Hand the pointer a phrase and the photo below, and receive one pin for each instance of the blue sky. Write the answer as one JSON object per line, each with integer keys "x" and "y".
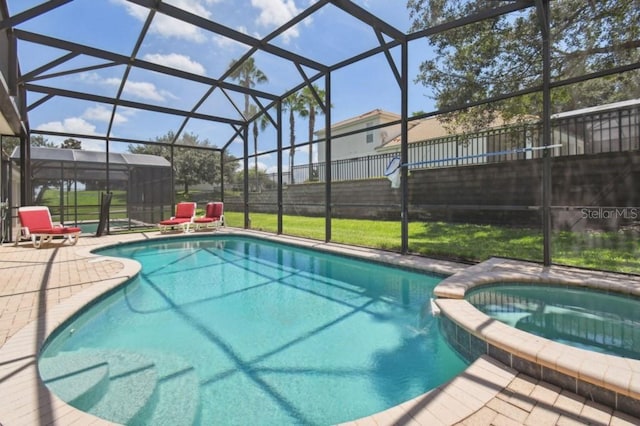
{"x": 329, "y": 36}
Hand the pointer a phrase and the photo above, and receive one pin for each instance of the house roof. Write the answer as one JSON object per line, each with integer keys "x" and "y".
{"x": 83, "y": 165}
{"x": 432, "y": 128}
{"x": 116, "y": 159}
{"x": 598, "y": 108}
{"x": 381, "y": 115}
{"x": 418, "y": 130}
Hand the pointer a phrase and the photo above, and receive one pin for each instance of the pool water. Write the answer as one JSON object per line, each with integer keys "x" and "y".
{"x": 92, "y": 227}
{"x": 234, "y": 330}
{"x": 580, "y": 317}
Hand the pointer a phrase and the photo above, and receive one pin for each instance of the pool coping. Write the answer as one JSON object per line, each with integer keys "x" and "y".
{"x": 580, "y": 371}
{"x": 31, "y": 402}
{"x": 20, "y": 384}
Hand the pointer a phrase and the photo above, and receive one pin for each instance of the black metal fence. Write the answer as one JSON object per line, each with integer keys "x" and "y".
{"x": 592, "y": 132}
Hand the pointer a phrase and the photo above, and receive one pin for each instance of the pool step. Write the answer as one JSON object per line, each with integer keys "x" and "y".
{"x": 131, "y": 388}
{"x": 112, "y": 384}
{"x": 177, "y": 391}
{"x": 132, "y": 383}
{"x": 80, "y": 379}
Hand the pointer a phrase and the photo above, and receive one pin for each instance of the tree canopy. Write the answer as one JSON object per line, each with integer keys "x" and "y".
{"x": 503, "y": 55}
{"x": 247, "y": 75}
{"x": 9, "y": 143}
{"x": 71, "y": 143}
{"x": 192, "y": 164}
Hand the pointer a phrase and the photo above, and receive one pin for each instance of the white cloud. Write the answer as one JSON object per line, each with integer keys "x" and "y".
{"x": 138, "y": 12}
{"x": 169, "y": 27}
{"x": 177, "y": 61}
{"x": 197, "y": 7}
{"x": 90, "y": 77}
{"x": 166, "y": 26}
{"x": 274, "y": 13}
{"x": 73, "y": 125}
{"x": 263, "y": 167}
{"x": 69, "y": 125}
{"x": 145, "y": 90}
{"x": 272, "y": 169}
{"x": 137, "y": 89}
{"x": 225, "y": 42}
{"x": 100, "y": 113}
{"x": 142, "y": 90}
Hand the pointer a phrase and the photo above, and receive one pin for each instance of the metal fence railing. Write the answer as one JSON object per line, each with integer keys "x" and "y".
{"x": 597, "y": 132}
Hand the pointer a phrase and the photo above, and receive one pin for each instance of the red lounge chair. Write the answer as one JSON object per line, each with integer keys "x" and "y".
{"x": 185, "y": 213}
{"x": 36, "y": 224}
{"x": 212, "y": 219}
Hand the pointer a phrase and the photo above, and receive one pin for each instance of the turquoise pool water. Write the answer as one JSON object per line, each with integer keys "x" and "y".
{"x": 231, "y": 330}
{"x": 92, "y": 227}
{"x": 581, "y": 317}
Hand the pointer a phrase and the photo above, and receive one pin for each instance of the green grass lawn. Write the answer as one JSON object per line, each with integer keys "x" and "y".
{"x": 88, "y": 203}
{"x": 611, "y": 251}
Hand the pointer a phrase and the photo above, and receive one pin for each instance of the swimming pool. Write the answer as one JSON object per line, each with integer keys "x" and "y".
{"x": 581, "y": 317}
{"x": 91, "y": 227}
{"x": 236, "y": 330}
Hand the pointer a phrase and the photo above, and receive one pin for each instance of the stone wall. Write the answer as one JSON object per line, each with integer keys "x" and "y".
{"x": 508, "y": 193}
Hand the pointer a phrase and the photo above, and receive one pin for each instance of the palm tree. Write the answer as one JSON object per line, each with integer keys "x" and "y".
{"x": 294, "y": 103}
{"x": 310, "y": 109}
{"x": 264, "y": 122}
{"x": 247, "y": 75}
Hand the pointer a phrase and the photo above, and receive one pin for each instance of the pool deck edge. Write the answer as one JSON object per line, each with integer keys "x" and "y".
{"x": 612, "y": 373}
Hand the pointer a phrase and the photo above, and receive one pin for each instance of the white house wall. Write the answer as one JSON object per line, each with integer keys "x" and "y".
{"x": 356, "y": 145}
